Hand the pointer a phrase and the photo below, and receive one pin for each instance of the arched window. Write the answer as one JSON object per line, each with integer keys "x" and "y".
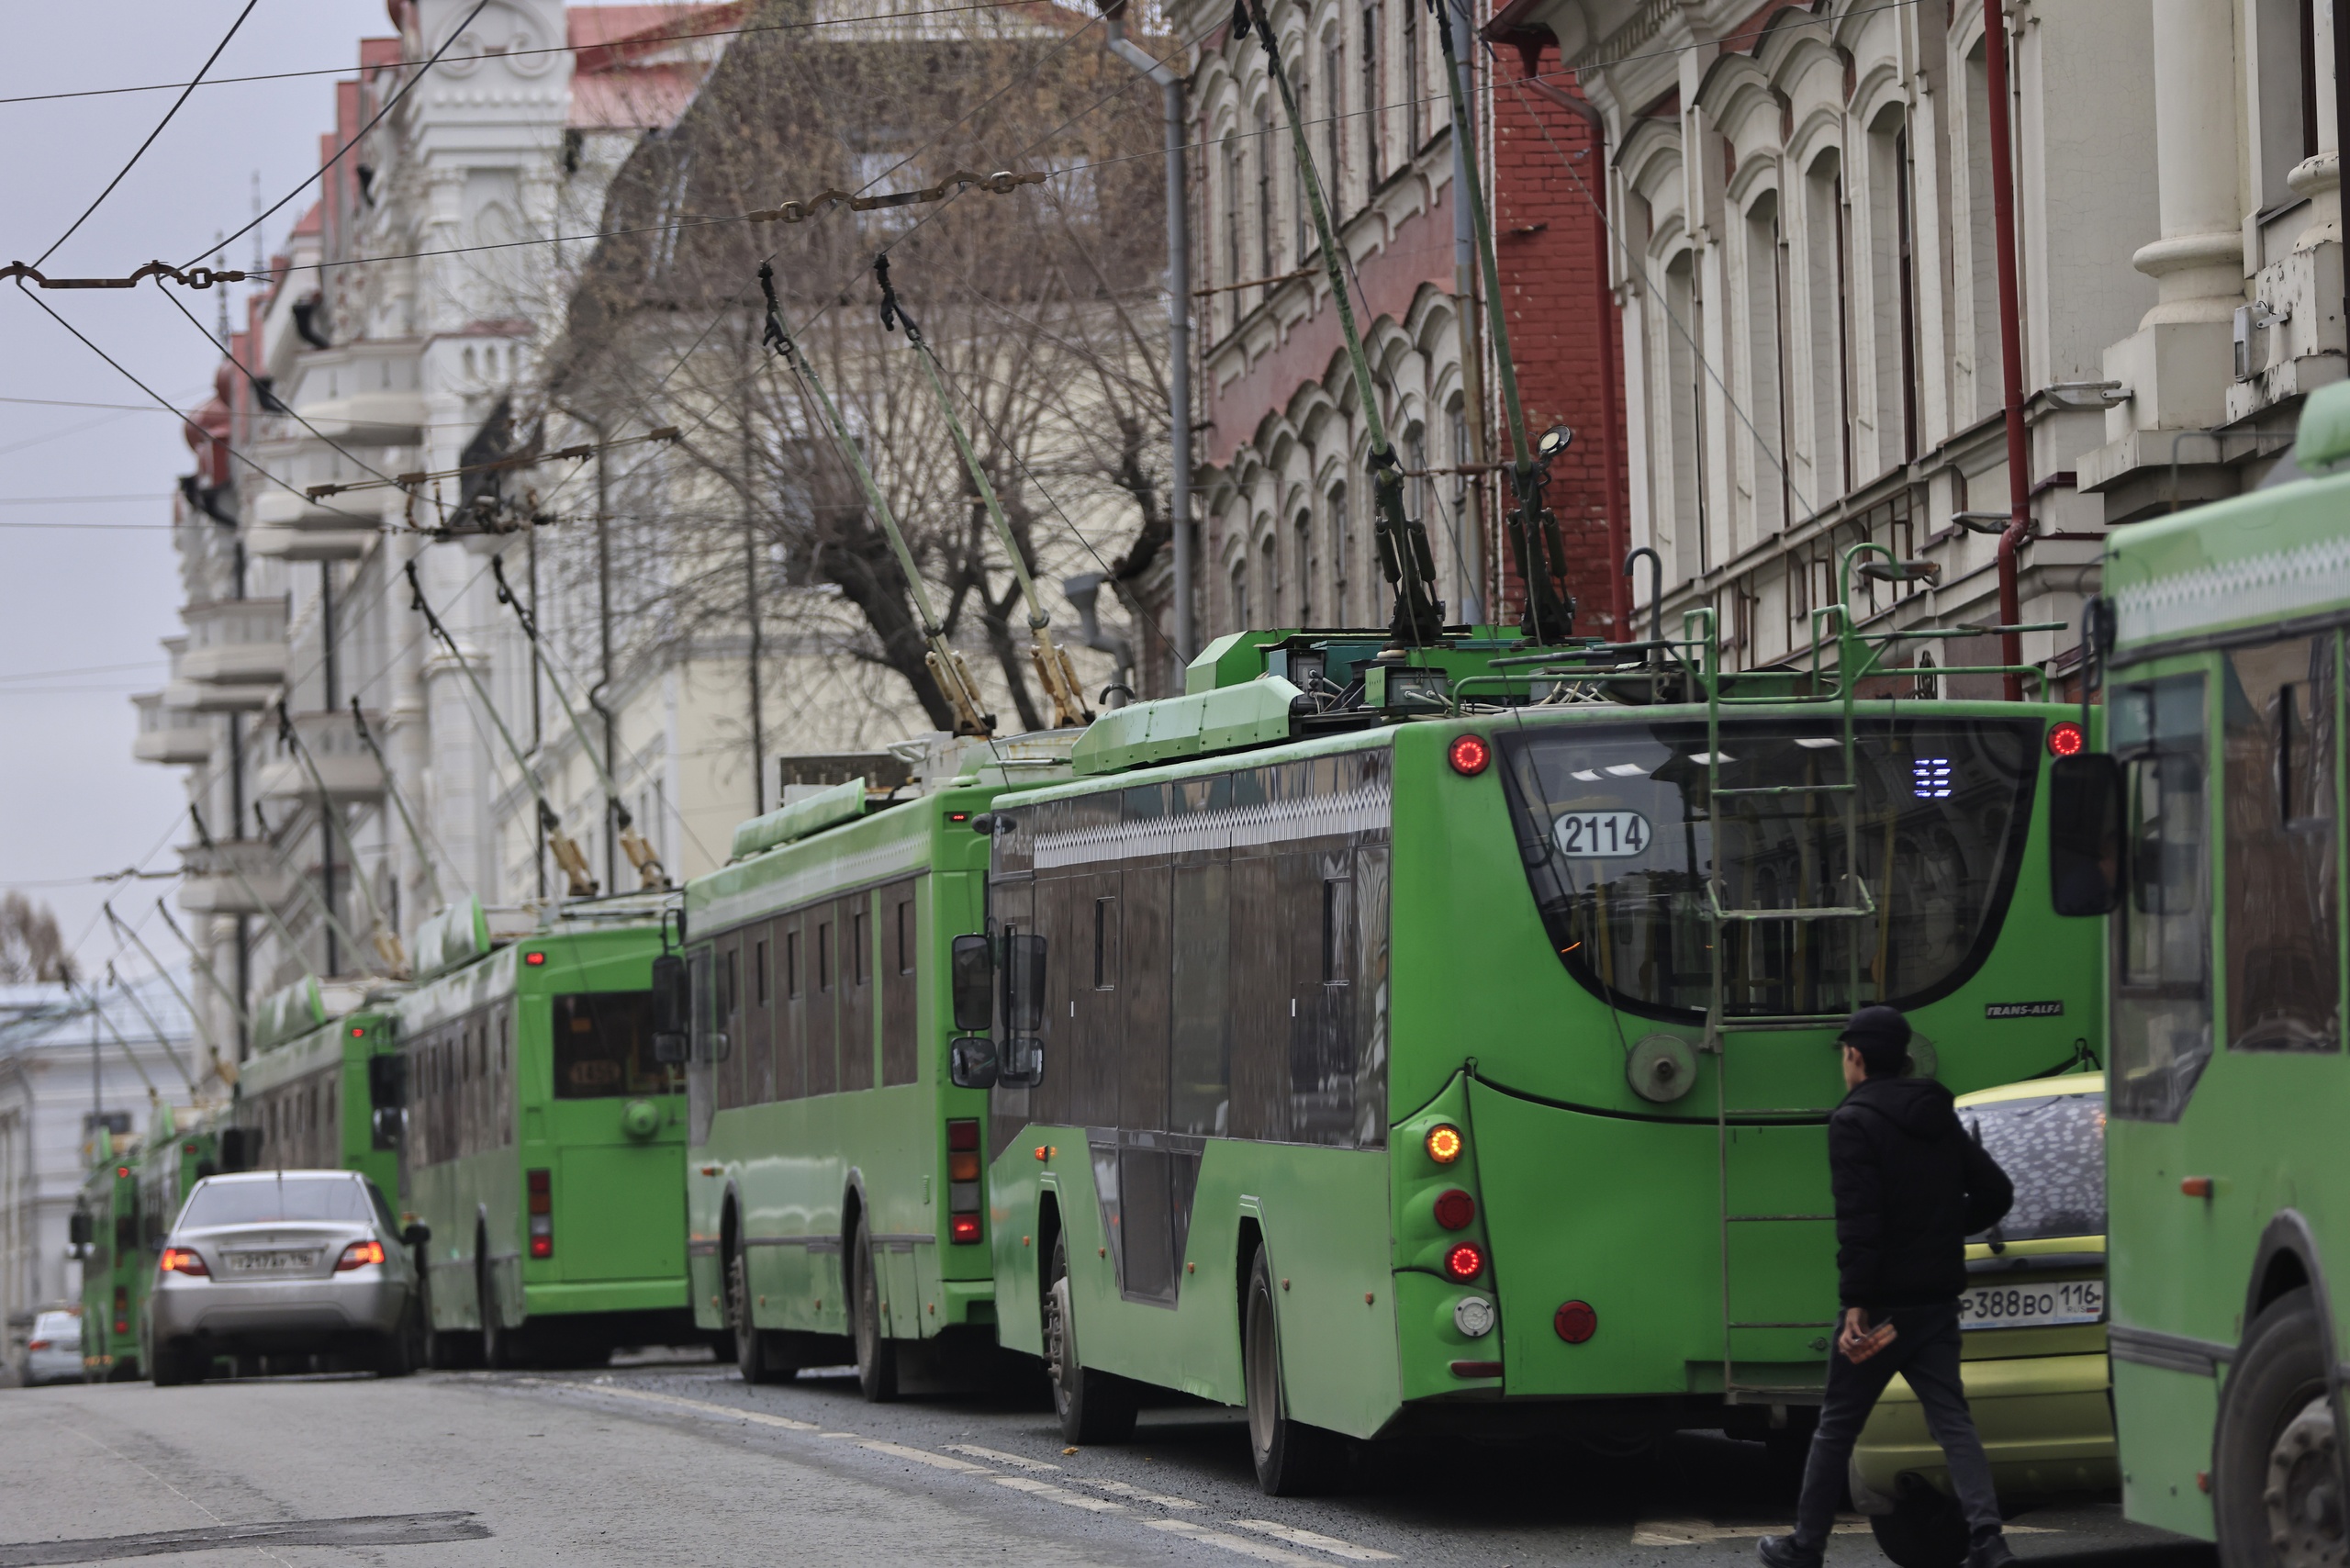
{"x": 1334, "y": 120}
{"x": 1825, "y": 294}
{"x": 1267, "y": 226}
{"x": 1766, "y": 366}
{"x": 1309, "y": 567}
{"x": 1341, "y": 554}
{"x": 1374, "y": 112}
{"x": 1415, "y": 109}
{"x": 1234, "y": 173}
{"x": 1240, "y": 592}
{"x": 1269, "y": 549}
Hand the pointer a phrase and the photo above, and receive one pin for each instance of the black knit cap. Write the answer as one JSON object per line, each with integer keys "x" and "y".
{"x": 1879, "y": 1033}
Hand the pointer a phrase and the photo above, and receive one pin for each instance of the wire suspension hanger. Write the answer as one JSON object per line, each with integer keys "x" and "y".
{"x": 1051, "y": 661}
{"x": 947, "y": 666}
{"x": 650, "y": 874}
{"x": 567, "y": 850}
{"x": 1404, "y": 557}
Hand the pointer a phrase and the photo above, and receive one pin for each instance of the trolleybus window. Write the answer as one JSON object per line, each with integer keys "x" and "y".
{"x": 2161, "y": 992}
{"x": 603, "y": 1045}
{"x": 1614, "y": 826}
{"x": 2053, "y": 1147}
{"x": 2284, "y": 975}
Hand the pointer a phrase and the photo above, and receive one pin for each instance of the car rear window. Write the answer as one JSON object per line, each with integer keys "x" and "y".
{"x": 2052, "y": 1149}
{"x": 330, "y": 1198}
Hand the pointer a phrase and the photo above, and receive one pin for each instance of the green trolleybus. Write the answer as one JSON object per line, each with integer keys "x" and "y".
{"x": 1446, "y": 1046}
{"x": 542, "y": 1142}
{"x": 2207, "y": 832}
{"x": 324, "y": 1053}
{"x": 105, "y": 1229}
{"x": 834, "y": 1169}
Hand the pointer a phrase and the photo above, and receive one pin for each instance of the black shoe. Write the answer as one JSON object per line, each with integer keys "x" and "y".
{"x": 1990, "y": 1551}
{"x": 1781, "y": 1551}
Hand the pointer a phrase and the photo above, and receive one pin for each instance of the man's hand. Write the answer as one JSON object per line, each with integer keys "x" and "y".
{"x": 1857, "y": 1340}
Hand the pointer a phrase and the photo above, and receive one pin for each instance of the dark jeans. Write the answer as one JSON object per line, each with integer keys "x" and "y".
{"x": 1925, "y": 1351}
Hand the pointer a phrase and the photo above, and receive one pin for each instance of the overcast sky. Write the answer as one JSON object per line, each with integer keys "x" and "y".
{"x": 90, "y": 584}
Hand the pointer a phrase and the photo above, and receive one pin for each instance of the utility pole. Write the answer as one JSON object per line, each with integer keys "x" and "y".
{"x": 1179, "y": 324}
{"x": 1464, "y": 316}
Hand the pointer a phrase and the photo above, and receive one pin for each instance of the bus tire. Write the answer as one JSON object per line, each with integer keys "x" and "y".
{"x": 443, "y": 1351}
{"x": 1926, "y": 1528}
{"x": 169, "y": 1368}
{"x": 1293, "y": 1459}
{"x": 498, "y": 1350}
{"x": 876, "y": 1356}
{"x": 1093, "y": 1406}
{"x": 2275, "y": 1456}
{"x": 760, "y": 1355}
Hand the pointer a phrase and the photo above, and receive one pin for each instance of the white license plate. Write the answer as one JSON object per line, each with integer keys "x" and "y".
{"x": 270, "y": 1262}
{"x": 2032, "y": 1304}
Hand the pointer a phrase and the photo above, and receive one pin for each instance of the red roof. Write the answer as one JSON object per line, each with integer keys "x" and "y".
{"x": 314, "y": 221}
{"x": 603, "y": 36}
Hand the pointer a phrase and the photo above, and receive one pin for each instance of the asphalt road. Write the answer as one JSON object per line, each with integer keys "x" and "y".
{"x": 680, "y": 1462}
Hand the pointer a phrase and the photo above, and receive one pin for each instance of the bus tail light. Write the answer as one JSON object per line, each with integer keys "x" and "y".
{"x": 1445, "y": 1143}
{"x": 1464, "y": 1262}
{"x": 359, "y": 1254}
{"x": 122, "y": 1309}
{"x": 1470, "y": 754}
{"x": 2066, "y": 739}
{"x": 1455, "y": 1209}
{"x": 180, "y": 1260}
{"x": 963, "y": 1179}
{"x": 541, "y": 1210}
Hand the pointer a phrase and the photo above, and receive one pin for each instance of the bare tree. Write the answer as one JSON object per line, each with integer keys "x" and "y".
{"x": 30, "y": 948}
{"x": 1033, "y": 299}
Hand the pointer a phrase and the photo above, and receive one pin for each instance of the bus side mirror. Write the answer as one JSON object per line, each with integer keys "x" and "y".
{"x": 672, "y": 1011}
{"x": 1022, "y": 1064}
{"x": 239, "y": 1148}
{"x": 672, "y": 1047}
{"x": 2084, "y": 834}
{"x": 387, "y": 1082}
{"x": 974, "y": 971}
{"x": 1024, "y": 982}
{"x": 971, "y": 1064}
{"x": 416, "y": 1234}
{"x": 386, "y": 1125}
{"x": 77, "y": 1229}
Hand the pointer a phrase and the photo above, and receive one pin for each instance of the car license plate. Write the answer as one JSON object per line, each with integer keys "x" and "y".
{"x": 272, "y": 1263}
{"x": 2032, "y": 1306}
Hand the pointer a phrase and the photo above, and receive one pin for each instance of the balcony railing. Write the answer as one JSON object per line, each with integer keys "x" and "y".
{"x": 168, "y": 735}
{"x": 234, "y": 642}
{"x": 346, "y": 768}
{"x": 210, "y": 884}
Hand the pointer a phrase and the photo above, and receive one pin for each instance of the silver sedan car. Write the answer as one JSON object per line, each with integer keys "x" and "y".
{"x": 285, "y": 1263}
{"x": 53, "y": 1353}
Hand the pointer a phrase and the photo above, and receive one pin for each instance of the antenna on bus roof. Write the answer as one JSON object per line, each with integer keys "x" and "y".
{"x": 567, "y": 850}
{"x": 946, "y": 666}
{"x": 399, "y": 802}
{"x": 386, "y": 941}
{"x": 1053, "y": 668}
{"x": 649, "y": 872}
{"x": 226, "y": 1072}
{"x": 1404, "y": 557}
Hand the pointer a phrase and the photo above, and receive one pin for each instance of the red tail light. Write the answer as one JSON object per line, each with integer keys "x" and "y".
{"x": 359, "y": 1254}
{"x": 1465, "y": 1261}
{"x": 1575, "y": 1322}
{"x": 1455, "y": 1209}
{"x": 121, "y": 1309}
{"x": 37, "y": 1344}
{"x": 180, "y": 1260}
{"x": 1470, "y": 754}
{"x": 963, "y": 1179}
{"x": 2066, "y": 739}
{"x": 541, "y": 1184}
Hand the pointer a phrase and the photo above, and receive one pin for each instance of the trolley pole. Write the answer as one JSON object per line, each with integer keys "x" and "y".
{"x": 1178, "y": 325}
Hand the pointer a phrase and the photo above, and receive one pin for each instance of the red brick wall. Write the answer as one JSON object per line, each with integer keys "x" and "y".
{"x": 1552, "y": 253}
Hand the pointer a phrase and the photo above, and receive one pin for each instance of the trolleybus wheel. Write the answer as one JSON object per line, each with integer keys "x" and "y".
{"x": 1925, "y": 1530}
{"x": 498, "y": 1341}
{"x": 1093, "y": 1406}
{"x": 877, "y": 1358}
{"x": 759, "y": 1353}
{"x": 1292, "y": 1458}
{"x": 2276, "y": 1494}
{"x": 443, "y": 1351}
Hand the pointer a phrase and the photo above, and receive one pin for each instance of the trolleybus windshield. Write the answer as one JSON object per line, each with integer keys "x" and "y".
{"x": 1614, "y": 826}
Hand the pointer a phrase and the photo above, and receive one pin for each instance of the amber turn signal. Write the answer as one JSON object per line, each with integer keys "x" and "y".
{"x": 1444, "y": 1143}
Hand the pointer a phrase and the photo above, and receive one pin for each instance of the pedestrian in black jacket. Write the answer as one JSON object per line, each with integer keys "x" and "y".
{"x": 1910, "y": 1187}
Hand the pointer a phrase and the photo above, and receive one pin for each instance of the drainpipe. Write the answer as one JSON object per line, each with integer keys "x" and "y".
{"x": 2003, "y": 230}
{"x": 1178, "y": 322}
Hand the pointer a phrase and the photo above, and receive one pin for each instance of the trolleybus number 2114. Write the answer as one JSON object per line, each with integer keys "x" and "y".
{"x": 1601, "y": 835}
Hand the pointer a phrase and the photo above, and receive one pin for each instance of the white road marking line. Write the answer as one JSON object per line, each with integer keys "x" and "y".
{"x": 759, "y": 1417}
{"x": 1237, "y": 1543}
{"x": 1051, "y": 1493}
{"x": 922, "y": 1456}
{"x": 1320, "y": 1542}
{"x": 1700, "y": 1533}
{"x": 1136, "y": 1492}
{"x": 1013, "y": 1460}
